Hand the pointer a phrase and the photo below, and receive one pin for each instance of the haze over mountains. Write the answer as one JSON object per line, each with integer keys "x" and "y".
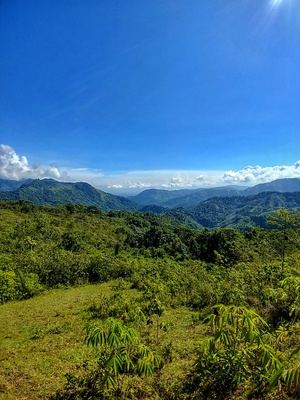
{"x": 206, "y": 207}
{"x": 192, "y": 197}
{"x": 184, "y": 197}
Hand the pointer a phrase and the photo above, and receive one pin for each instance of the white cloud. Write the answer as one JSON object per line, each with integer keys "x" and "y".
{"x": 14, "y": 166}
{"x": 252, "y": 175}
{"x": 115, "y": 187}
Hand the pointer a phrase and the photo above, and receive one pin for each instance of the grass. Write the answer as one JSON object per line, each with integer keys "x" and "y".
{"x": 42, "y": 338}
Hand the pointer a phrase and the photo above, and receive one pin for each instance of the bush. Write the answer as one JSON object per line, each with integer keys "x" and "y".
{"x": 28, "y": 285}
{"x": 15, "y": 286}
{"x": 8, "y": 286}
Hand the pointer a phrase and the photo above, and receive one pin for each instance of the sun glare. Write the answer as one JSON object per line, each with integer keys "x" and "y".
{"x": 276, "y": 3}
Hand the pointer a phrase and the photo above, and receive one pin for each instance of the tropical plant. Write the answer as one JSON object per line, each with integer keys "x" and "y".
{"x": 237, "y": 352}
{"x": 122, "y": 353}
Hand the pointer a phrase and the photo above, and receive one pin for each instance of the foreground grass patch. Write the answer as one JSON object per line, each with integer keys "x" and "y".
{"x": 42, "y": 338}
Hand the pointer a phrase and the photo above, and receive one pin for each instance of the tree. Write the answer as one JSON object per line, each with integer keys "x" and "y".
{"x": 285, "y": 222}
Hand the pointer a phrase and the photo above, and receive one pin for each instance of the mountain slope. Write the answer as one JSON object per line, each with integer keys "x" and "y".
{"x": 242, "y": 211}
{"x": 236, "y": 211}
{"x": 51, "y": 192}
{"x": 159, "y": 197}
{"x": 7, "y": 185}
{"x": 183, "y": 197}
{"x": 279, "y": 185}
{"x": 196, "y": 197}
{"x": 191, "y": 197}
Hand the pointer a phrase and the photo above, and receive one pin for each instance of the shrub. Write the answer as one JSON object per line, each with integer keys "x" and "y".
{"x": 28, "y": 285}
{"x": 8, "y": 286}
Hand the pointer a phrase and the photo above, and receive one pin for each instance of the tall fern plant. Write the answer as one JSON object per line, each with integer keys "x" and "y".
{"x": 121, "y": 354}
{"x": 238, "y": 354}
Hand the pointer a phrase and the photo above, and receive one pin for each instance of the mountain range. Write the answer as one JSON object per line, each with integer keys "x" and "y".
{"x": 205, "y": 207}
{"x": 192, "y": 197}
{"x": 242, "y": 211}
{"x": 52, "y": 192}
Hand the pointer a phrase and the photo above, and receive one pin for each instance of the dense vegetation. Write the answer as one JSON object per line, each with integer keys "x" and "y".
{"x": 188, "y": 313}
{"x": 52, "y": 192}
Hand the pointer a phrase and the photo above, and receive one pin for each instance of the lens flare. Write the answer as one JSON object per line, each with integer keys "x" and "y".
{"x": 276, "y": 3}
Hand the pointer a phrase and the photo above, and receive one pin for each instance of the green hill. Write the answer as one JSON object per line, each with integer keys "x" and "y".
{"x": 234, "y": 211}
{"x": 51, "y": 192}
{"x": 242, "y": 211}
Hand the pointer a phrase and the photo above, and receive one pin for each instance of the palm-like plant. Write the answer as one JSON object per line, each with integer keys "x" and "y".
{"x": 285, "y": 299}
{"x": 238, "y": 351}
{"x": 122, "y": 352}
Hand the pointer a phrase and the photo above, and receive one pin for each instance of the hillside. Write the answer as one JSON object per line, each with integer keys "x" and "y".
{"x": 7, "y": 185}
{"x": 279, "y": 185}
{"x": 66, "y": 274}
{"x": 159, "y": 197}
{"x": 51, "y": 192}
{"x": 187, "y": 198}
{"x": 194, "y": 198}
{"x": 182, "y": 197}
{"x": 51, "y": 344}
{"x": 64, "y": 271}
{"x": 235, "y": 211}
{"x": 242, "y": 211}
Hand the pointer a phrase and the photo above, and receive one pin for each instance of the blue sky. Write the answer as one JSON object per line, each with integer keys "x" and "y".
{"x": 125, "y": 91}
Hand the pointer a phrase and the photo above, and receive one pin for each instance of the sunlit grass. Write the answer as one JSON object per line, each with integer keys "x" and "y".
{"x": 42, "y": 338}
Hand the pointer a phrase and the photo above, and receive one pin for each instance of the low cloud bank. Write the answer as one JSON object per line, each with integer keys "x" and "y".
{"x": 14, "y": 166}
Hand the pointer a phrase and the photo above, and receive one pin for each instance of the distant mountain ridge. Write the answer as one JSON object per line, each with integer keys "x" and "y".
{"x": 242, "y": 211}
{"x": 51, "y": 192}
{"x": 285, "y": 185}
{"x": 181, "y": 197}
{"x": 159, "y": 197}
{"x": 191, "y": 197}
{"x": 237, "y": 211}
{"x": 209, "y": 208}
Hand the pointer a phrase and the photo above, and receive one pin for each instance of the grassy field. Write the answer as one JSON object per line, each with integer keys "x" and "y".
{"x": 43, "y": 338}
